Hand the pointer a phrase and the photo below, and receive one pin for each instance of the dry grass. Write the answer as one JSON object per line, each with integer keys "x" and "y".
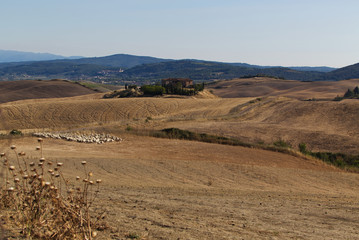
{"x": 34, "y": 89}
{"x": 42, "y": 202}
{"x": 170, "y": 189}
{"x": 264, "y": 87}
{"x": 319, "y": 124}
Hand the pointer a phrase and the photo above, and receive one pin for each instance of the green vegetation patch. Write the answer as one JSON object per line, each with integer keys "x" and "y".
{"x": 341, "y": 160}
{"x": 350, "y": 94}
{"x": 175, "y": 133}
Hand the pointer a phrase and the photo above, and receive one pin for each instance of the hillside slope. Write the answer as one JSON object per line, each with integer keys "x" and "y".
{"x": 19, "y": 56}
{"x": 323, "y": 125}
{"x": 263, "y": 87}
{"x": 172, "y": 189}
{"x": 33, "y": 89}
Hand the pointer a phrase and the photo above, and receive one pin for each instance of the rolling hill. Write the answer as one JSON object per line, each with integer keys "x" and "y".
{"x": 176, "y": 189}
{"x": 124, "y": 68}
{"x": 172, "y": 189}
{"x": 141, "y": 69}
{"x": 18, "y": 56}
{"x": 261, "y": 86}
{"x": 320, "y": 124}
{"x": 33, "y": 89}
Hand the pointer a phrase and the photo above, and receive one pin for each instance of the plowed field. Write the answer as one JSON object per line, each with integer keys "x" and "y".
{"x": 171, "y": 189}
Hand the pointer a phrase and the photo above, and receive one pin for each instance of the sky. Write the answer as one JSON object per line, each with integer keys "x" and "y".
{"x": 262, "y": 32}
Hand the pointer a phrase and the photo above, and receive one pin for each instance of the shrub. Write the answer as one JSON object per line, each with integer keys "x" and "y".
{"x": 281, "y": 143}
{"x": 133, "y": 236}
{"x": 302, "y": 148}
{"x": 15, "y": 132}
{"x": 153, "y": 90}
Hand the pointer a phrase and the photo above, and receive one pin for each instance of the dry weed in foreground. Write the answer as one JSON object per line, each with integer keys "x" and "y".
{"x": 44, "y": 204}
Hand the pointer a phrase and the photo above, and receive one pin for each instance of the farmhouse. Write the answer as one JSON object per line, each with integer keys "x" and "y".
{"x": 185, "y": 82}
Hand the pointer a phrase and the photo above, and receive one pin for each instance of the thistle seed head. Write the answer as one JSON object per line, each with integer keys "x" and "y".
{"x": 16, "y": 180}
{"x": 12, "y": 168}
{"x": 42, "y": 159}
{"x": 83, "y": 162}
{"x": 38, "y": 148}
{"x": 32, "y": 164}
{"x": 40, "y": 140}
{"x": 13, "y": 147}
{"x": 25, "y": 176}
{"x": 2, "y": 154}
{"x": 21, "y": 153}
{"x": 98, "y": 181}
{"x": 90, "y": 174}
{"x": 59, "y": 164}
{"x": 11, "y": 189}
{"x": 77, "y": 178}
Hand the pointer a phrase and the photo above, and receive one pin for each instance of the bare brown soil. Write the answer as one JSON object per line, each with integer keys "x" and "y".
{"x": 261, "y": 86}
{"x": 322, "y": 125}
{"x": 34, "y": 89}
{"x": 171, "y": 189}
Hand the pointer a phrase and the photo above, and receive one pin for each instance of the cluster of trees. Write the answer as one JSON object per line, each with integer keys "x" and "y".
{"x": 350, "y": 94}
{"x": 152, "y": 90}
{"x": 179, "y": 90}
{"x": 155, "y": 90}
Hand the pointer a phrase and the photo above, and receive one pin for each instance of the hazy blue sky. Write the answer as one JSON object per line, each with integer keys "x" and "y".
{"x": 265, "y": 32}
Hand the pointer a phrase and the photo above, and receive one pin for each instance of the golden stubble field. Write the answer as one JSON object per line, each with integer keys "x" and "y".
{"x": 172, "y": 189}
{"x": 322, "y": 125}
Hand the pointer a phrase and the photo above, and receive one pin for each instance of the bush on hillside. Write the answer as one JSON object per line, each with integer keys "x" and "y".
{"x": 152, "y": 90}
{"x": 15, "y": 132}
{"x": 349, "y": 94}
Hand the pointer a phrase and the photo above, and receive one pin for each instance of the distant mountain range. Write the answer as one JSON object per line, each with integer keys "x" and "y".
{"x": 17, "y": 56}
{"x": 124, "y": 68}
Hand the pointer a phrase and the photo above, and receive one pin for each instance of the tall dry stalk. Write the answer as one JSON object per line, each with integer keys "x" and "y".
{"x": 46, "y": 205}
